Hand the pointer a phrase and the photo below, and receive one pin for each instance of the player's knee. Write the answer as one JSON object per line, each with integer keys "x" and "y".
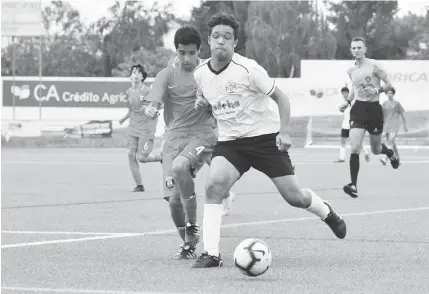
{"x": 180, "y": 166}
{"x": 356, "y": 148}
{"x": 175, "y": 202}
{"x": 216, "y": 187}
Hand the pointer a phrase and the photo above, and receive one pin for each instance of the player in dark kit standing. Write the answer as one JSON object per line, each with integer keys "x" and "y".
{"x": 141, "y": 130}
{"x": 366, "y": 114}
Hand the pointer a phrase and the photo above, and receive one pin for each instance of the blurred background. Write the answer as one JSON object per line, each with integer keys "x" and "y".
{"x": 65, "y": 64}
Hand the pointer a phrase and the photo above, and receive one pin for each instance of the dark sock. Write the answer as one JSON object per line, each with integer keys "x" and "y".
{"x": 354, "y": 168}
{"x": 190, "y": 206}
{"x": 386, "y": 150}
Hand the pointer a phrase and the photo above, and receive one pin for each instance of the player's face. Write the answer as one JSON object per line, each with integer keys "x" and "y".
{"x": 345, "y": 94}
{"x": 390, "y": 95}
{"x": 188, "y": 56}
{"x": 222, "y": 42}
{"x": 136, "y": 75}
{"x": 358, "y": 49}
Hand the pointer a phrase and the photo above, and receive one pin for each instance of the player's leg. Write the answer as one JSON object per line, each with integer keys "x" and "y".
{"x": 198, "y": 147}
{"x": 226, "y": 168}
{"x": 384, "y": 158}
{"x": 343, "y": 146}
{"x": 172, "y": 195}
{"x": 265, "y": 157}
{"x": 375, "y": 130}
{"x": 145, "y": 148}
{"x": 366, "y": 153}
{"x": 230, "y": 198}
{"x": 357, "y": 133}
{"x": 132, "y": 161}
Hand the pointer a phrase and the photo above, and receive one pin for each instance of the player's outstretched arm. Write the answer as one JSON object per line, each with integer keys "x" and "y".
{"x": 128, "y": 115}
{"x": 382, "y": 74}
{"x": 283, "y": 104}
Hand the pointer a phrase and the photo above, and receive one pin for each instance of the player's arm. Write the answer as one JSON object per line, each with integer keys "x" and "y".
{"x": 128, "y": 115}
{"x": 402, "y": 114}
{"x": 266, "y": 85}
{"x": 157, "y": 93}
{"x": 382, "y": 75}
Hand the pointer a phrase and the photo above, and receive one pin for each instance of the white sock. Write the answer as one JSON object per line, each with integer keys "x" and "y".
{"x": 365, "y": 151}
{"x": 317, "y": 206}
{"x": 211, "y": 228}
{"x": 342, "y": 153}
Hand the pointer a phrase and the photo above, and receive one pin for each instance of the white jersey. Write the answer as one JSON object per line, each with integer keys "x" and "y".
{"x": 346, "y": 118}
{"x": 239, "y": 96}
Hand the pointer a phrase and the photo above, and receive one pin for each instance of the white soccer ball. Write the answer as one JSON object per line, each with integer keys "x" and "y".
{"x": 252, "y": 257}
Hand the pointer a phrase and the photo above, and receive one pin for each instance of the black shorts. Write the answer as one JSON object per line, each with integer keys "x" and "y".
{"x": 259, "y": 152}
{"x": 368, "y": 116}
{"x": 345, "y": 133}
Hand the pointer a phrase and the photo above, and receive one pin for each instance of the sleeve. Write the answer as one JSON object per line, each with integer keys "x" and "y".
{"x": 159, "y": 87}
{"x": 260, "y": 80}
{"x": 197, "y": 77}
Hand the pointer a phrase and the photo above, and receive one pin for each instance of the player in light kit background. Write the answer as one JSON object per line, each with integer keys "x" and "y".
{"x": 141, "y": 129}
{"x": 190, "y": 135}
{"x": 366, "y": 114}
{"x": 345, "y": 130}
{"x": 251, "y": 134}
{"x": 393, "y": 112}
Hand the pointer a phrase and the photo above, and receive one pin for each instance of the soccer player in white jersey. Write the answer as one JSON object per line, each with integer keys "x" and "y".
{"x": 366, "y": 113}
{"x": 345, "y": 130}
{"x": 251, "y": 134}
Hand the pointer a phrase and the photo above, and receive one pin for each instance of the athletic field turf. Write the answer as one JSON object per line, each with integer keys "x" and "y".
{"x": 69, "y": 225}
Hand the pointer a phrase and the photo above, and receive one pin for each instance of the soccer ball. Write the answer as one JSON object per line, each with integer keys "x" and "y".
{"x": 252, "y": 257}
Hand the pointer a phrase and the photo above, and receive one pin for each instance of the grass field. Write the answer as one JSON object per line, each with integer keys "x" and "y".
{"x": 69, "y": 225}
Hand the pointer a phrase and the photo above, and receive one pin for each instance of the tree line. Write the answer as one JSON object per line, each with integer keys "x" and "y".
{"x": 276, "y": 34}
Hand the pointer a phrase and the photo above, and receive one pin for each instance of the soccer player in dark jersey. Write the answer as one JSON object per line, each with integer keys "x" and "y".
{"x": 394, "y": 117}
{"x": 190, "y": 135}
{"x": 141, "y": 129}
{"x": 366, "y": 113}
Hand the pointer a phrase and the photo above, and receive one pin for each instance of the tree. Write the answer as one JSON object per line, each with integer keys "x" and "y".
{"x": 129, "y": 29}
{"x": 279, "y": 34}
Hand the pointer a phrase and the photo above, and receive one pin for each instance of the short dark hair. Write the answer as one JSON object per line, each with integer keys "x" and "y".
{"x": 345, "y": 89}
{"x": 224, "y": 19}
{"x": 357, "y": 39}
{"x": 391, "y": 89}
{"x": 140, "y": 68}
{"x": 187, "y": 35}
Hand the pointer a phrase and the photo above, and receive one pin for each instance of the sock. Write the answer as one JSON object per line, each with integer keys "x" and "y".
{"x": 181, "y": 231}
{"x": 354, "y": 168}
{"x": 211, "y": 228}
{"x": 342, "y": 153}
{"x": 365, "y": 151}
{"x": 178, "y": 214}
{"x": 190, "y": 206}
{"x": 386, "y": 150}
{"x": 317, "y": 206}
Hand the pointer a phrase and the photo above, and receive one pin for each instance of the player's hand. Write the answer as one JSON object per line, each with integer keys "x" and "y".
{"x": 121, "y": 121}
{"x": 151, "y": 112}
{"x": 283, "y": 141}
{"x": 201, "y": 102}
{"x": 343, "y": 106}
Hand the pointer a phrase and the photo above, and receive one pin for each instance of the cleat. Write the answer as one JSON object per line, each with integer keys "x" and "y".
{"x": 166, "y": 198}
{"x": 186, "y": 252}
{"x": 207, "y": 261}
{"x": 394, "y": 161}
{"x": 227, "y": 203}
{"x": 192, "y": 234}
{"x": 336, "y": 223}
{"x": 138, "y": 188}
{"x": 351, "y": 190}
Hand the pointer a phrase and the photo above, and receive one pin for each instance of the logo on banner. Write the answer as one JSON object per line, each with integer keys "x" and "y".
{"x": 22, "y": 92}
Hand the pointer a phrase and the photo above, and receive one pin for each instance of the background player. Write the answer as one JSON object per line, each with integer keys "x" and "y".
{"x": 190, "y": 135}
{"x": 366, "y": 114}
{"x": 239, "y": 91}
{"x": 141, "y": 129}
{"x": 393, "y": 113}
{"x": 345, "y": 130}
